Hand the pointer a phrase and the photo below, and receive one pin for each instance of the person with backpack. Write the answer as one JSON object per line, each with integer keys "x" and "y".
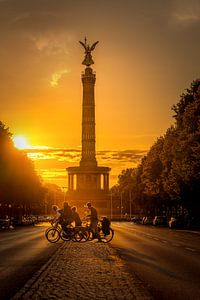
{"x": 66, "y": 217}
{"x": 76, "y": 217}
{"x": 93, "y": 216}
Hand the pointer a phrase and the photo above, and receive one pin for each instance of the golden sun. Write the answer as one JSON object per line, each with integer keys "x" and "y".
{"x": 20, "y": 142}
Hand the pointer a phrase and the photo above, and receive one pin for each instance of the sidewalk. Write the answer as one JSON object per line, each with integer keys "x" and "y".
{"x": 88, "y": 270}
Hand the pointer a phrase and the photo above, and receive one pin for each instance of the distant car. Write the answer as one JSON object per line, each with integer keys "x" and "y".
{"x": 172, "y": 223}
{"x": 4, "y": 223}
{"x": 136, "y": 219}
{"x": 176, "y": 223}
{"x": 148, "y": 221}
{"x": 160, "y": 221}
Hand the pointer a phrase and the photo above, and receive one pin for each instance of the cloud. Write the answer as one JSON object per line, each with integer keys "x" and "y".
{"x": 51, "y": 163}
{"x": 74, "y": 155}
{"x": 55, "y": 77}
{"x": 123, "y": 156}
{"x": 186, "y": 13}
{"x": 59, "y": 154}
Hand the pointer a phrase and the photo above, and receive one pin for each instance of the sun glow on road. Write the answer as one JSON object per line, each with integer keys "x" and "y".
{"x": 20, "y": 142}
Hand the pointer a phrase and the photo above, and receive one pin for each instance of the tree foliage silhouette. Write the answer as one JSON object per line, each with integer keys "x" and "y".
{"x": 169, "y": 175}
{"x": 20, "y": 186}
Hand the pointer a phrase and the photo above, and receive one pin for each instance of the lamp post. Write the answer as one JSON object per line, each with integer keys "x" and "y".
{"x": 64, "y": 191}
{"x": 130, "y": 203}
{"x": 121, "y": 205}
{"x": 111, "y": 212}
{"x": 10, "y": 206}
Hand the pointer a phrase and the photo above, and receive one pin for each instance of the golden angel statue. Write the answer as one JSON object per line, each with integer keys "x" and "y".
{"x": 88, "y": 56}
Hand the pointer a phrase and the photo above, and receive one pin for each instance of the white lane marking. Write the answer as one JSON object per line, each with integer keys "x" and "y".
{"x": 190, "y": 249}
{"x": 163, "y": 241}
{"x": 176, "y": 245}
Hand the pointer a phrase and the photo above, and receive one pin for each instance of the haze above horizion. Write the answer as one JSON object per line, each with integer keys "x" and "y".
{"x": 148, "y": 53}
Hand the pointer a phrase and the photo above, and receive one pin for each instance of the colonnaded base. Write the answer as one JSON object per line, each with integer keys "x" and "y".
{"x": 89, "y": 184}
{"x": 100, "y": 201}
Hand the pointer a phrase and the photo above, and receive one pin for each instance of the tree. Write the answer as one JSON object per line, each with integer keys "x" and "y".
{"x": 168, "y": 176}
{"x": 20, "y": 186}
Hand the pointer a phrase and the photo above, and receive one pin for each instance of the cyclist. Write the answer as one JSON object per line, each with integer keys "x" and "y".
{"x": 66, "y": 216}
{"x": 93, "y": 220}
{"x": 57, "y": 210}
{"x": 76, "y": 217}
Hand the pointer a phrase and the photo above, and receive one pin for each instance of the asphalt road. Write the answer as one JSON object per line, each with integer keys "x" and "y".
{"x": 22, "y": 252}
{"x": 167, "y": 261}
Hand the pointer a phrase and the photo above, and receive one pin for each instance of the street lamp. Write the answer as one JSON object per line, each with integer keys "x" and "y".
{"x": 10, "y": 206}
{"x": 64, "y": 191}
{"x": 121, "y": 205}
{"x": 130, "y": 203}
{"x": 111, "y": 212}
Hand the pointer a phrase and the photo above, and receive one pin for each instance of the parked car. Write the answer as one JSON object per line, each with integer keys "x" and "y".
{"x": 5, "y": 223}
{"x": 177, "y": 223}
{"x": 148, "y": 221}
{"x": 160, "y": 221}
{"x": 172, "y": 222}
{"x": 136, "y": 219}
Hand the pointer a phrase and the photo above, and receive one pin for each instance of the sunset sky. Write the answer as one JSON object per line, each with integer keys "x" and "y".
{"x": 148, "y": 53}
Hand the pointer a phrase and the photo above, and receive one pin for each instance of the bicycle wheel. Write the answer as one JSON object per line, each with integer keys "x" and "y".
{"x": 91, "y": 235}
{"x": 65, "y": 237}
{"x": 58, "y": 228}
{"x": 53, "y": 235}
{"x": 107, "y": 237}
{"x": 81, "y": 234}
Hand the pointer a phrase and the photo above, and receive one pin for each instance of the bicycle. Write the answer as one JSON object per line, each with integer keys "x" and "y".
{"x": 56, "y": 232}
{"x": 106, "y": 233}
{"x": 52, "y": 233}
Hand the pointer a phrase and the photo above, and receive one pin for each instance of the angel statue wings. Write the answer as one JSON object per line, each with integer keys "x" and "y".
{"x": 88, "y": 56}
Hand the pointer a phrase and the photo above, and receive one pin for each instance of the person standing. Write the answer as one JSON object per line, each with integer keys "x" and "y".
{"x": 76, "y": 217}
{"x": 93, "y": 220}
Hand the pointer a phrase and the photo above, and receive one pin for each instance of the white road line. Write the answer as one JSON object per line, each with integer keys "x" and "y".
{"x": 190, "y": 249}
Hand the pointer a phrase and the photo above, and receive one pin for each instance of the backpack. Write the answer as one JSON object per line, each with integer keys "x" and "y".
{"x": 105, "y": 225}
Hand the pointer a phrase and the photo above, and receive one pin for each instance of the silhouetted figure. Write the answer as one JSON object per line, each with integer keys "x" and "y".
{"x": 76, "y": 217}
{"x": 57, "y": 217}
{"x": 93, "y": 220}
{"x": 88, "y": 56}
{"x": 66, "y": 217}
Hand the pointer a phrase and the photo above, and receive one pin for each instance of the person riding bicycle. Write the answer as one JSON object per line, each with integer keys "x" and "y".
{"x": 66, "y": 216}
{"x": 57, "y": 210}
{"x": 93, "y": 220}
{"x": 76, "y": 217}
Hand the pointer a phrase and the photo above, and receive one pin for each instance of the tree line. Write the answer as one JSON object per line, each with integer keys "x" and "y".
{"x": 22, "y": 191}
{"x": 168, "y": 178}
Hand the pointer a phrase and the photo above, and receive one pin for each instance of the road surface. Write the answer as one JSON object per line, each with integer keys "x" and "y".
{"x": 22, "y": 252}
{"x": 167, "y": 261}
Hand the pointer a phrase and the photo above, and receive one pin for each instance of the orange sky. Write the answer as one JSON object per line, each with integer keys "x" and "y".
{"x": 148, "y": 53}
